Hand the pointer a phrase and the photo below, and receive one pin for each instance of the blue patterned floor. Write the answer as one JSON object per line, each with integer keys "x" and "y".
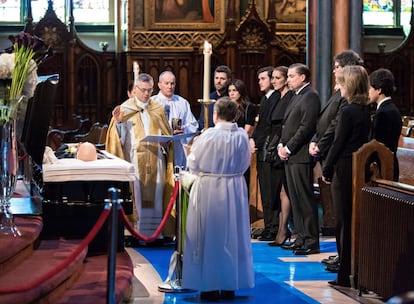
{"x": 271, "y": 273}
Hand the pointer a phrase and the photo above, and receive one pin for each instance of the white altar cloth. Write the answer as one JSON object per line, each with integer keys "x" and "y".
{"x": 110, "y": 168}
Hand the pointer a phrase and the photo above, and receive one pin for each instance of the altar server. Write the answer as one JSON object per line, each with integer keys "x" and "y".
{"x": 217, "y": 249}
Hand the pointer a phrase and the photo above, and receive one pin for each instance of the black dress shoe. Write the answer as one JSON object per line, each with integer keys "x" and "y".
{"x": 331, "y": 259}
{"x": 291, "y": 246}
{"x": 213, "y": 296}
{"x": 268, "y": 236}
{"x": 275, "y": 244}
{"x": 332, "y": 267}
{"x": 337, "y": 283}
{"x": 306, "y": 251}
{"x": 227, "y": 294}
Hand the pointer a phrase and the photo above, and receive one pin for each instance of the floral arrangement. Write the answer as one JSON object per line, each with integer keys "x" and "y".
{"x": 18, "y": 71}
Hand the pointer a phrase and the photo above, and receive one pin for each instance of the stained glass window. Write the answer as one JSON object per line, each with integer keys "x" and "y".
{"x": 10, "y": 11}
{"x": 387, "y": 13}
{"x": 378, "y": 12}
{"x": 406, "y": 15}
{"x": 84, "y": 11}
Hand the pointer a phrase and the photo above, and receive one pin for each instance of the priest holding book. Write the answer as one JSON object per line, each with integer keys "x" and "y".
{"x": 132, "y": 121}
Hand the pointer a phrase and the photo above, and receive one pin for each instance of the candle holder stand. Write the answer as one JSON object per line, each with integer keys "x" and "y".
{"x": 206, "y": 103}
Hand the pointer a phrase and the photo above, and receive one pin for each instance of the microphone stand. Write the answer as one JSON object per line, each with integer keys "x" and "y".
{"x": 172, "y": 283}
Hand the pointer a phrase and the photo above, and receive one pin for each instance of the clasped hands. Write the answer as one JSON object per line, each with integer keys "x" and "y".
{"x": 314, "y": 149}
{"x": 282, "y": 152}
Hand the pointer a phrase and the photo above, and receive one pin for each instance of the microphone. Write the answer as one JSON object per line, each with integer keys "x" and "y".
{"x": 167, "y": 111}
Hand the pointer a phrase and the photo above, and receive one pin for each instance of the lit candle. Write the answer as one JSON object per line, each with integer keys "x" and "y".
{"x": 135, "y": 69}
{"x": 206, "y": 81}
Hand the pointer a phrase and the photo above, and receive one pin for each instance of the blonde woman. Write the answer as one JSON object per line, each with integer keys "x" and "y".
{"x": 279, "y": 82}
{"x": 351, "y": 133}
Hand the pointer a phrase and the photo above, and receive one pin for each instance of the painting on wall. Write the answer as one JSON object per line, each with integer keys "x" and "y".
{"x": 286, "y": 11}
{"x": 291, "y": 11}
{"x": 185, "y": 14}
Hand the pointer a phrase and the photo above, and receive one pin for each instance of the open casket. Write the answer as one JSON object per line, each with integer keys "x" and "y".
{"x": 74, "y": 194}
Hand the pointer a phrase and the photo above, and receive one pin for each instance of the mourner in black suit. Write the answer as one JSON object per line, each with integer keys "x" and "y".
{"x": 387, "y": 122}
{"x": 325, "y": 128}
{"x": 222, "y": 78}
{"x": 297, "y": 130}
{"x": 351, "y": 132}
{"x": 259, "y": 143}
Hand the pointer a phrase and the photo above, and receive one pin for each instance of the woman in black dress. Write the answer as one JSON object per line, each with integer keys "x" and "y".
{"x": 246, "y": 112}
{"x": 279, "y": 82}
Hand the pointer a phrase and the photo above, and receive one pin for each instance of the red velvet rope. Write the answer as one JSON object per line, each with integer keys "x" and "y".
{"x": 91, "y": 235}
{"x": 157, "y": 232}
{"x": 23, "y": 157}
{"x": 85, "y": 242}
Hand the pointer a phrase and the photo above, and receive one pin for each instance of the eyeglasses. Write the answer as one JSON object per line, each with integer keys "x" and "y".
{"x": 149, "y": 91}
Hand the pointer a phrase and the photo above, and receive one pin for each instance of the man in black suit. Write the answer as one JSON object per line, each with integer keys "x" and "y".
{"x": 258, "y": 143}
{"x": 387, "y": 122}
{"x": 325, "y": 128}
{"x": 297, "y": 130}
{"x": 222, "y": 78}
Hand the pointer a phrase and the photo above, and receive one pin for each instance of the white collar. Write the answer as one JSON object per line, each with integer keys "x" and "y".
{"x": 141, "y": 103}
{"x": 382, "y": 101}
{"x": 301, "y": 88}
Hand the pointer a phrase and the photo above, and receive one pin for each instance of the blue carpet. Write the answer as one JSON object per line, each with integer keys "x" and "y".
{"x": 270, "y": 275}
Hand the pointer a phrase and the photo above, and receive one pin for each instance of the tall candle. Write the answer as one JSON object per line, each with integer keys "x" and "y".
{"x": 206, "y": 81}
{"x": 135, "y": 69}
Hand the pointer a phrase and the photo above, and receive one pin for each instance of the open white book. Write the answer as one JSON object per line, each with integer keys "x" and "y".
{"x": 165, "y": 138}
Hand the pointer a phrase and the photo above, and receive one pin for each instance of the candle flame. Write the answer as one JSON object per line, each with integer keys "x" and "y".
{"x": 135, "y": 70}
{"x": 135, "y": 66}
{"x": 207, "y": 47}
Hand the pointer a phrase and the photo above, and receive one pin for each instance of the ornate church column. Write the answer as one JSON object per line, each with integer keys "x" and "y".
{"x": 341, "y": 25}
{"x": 324, "y": 50}
{"x": 355, "y": 20}
{"x": 231, "y": 34}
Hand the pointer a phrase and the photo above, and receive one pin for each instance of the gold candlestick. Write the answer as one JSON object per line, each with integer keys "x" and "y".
{"x": 206, "y": 103}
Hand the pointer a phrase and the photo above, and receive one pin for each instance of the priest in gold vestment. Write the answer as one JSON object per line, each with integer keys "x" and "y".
{"x": 133, "y": 120}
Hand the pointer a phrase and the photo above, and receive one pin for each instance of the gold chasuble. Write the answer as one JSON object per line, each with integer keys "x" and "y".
{"x": 147, "y": 154}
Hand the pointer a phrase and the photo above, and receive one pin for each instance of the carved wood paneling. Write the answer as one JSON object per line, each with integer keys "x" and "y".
{"x": 401, "y": 63}
{"x": 172, "y": 40}
{"x": 92, "y": 82}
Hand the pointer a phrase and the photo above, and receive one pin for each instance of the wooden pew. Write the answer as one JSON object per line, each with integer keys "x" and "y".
{"x": 359, "y": 180}
{"x": 405, "y": 155}
{"x": 405, "y": 131}
{"x": 405, "y": 158}
{"x": 406, "y": 142}
{"x": 381, "y": 224}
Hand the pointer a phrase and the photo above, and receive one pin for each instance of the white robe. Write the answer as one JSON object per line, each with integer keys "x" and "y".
{"x": 217, "y": 248}
{"x": 179, "y": 108}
